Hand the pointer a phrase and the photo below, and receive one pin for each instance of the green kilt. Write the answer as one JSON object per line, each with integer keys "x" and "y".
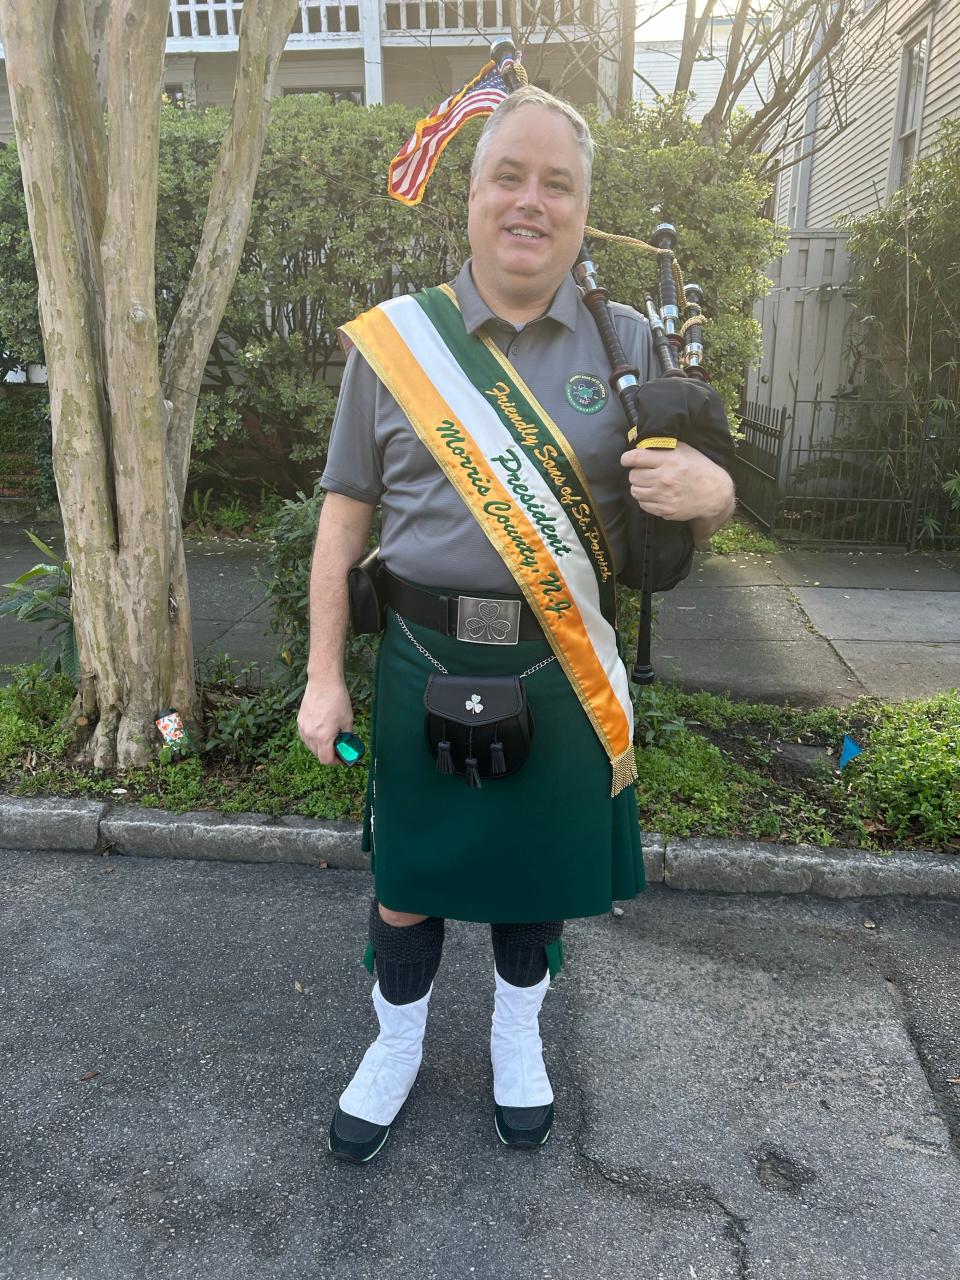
{"x": 545, "y": 843}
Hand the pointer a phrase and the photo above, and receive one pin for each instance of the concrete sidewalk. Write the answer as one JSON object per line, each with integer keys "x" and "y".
{"x": 813, "y": 627}
{"x": 807, "y": 627}
{"x": 747, "y": 1088}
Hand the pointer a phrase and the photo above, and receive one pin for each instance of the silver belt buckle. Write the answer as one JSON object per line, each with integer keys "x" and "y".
{"x": 488, "y": 621}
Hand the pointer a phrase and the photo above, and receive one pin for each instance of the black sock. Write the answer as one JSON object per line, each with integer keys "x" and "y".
{"x": 518, "y": 950}
{"x": 407, "y": 956}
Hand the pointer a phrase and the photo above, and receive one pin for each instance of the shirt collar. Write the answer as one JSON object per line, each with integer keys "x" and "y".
{"x": 476, "y": 313}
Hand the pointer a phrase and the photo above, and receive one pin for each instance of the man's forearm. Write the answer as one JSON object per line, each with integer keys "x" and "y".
{"x": 341, "y": 537}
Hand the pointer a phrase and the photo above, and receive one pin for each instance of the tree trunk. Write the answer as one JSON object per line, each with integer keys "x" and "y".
{"x": 121, "y": 446}
{"x": 628, "y": 53}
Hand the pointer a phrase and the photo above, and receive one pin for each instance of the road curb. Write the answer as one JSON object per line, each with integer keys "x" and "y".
{"x": 703, "y": 865}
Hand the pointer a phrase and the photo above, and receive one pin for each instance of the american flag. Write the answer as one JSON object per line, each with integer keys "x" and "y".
{"x": 412, "y": 166}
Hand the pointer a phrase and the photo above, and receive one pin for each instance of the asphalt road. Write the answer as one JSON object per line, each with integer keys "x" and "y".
{"x": 746, "y": 1087}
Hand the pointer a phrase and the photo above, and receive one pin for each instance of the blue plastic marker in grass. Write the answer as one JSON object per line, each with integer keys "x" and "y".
{"x": 850, "y": 750}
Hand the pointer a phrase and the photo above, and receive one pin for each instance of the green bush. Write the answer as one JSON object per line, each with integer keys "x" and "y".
{"x": 25, "y": 444}
{"x": 314, "y": 257}
{"x": 651, "y": 167}
{"x": 287, "y": 584}
{"x": 243, "y": 729}
{"x": 32, "y": 708}
{"x": 903, "y": 284}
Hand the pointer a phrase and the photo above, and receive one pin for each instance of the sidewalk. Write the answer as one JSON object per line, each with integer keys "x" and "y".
{"x": 802, "y": 626}
{"x": 813, "y": 626}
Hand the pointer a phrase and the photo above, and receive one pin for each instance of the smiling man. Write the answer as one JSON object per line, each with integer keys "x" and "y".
{"x": 478, "y": 417}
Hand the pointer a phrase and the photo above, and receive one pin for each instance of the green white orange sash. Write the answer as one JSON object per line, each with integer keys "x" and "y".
{"x": 522, "y": 483}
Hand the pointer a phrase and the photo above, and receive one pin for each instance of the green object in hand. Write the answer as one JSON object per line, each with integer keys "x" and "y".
{"x": 349, "y": 748}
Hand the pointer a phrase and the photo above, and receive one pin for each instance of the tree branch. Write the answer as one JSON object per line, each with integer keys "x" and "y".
{"x": 264, "y": 28}
{"x": 693, "y": 33}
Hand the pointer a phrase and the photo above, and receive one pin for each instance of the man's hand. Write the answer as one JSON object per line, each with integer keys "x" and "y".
{"x": 324, "y": 712}
{"x": 679, "y": 484}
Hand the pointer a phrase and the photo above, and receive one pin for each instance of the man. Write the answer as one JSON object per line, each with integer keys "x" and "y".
{"x": 501, "y": 482}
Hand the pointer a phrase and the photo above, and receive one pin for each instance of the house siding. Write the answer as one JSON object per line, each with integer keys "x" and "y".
{"x": 657, "y": 61}
{"x": 850, "y": 174}
{"x": 805, "y": 321}
{"x": 943, "y": 78}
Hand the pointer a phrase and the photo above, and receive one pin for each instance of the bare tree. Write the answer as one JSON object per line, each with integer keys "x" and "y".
{"x": 778, "y": 48}
{"x": 85, "y": 81}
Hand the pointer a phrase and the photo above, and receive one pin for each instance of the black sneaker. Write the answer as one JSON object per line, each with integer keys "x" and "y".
{"x": 354, "y": 1139}
{"x": 523, "y": 1126}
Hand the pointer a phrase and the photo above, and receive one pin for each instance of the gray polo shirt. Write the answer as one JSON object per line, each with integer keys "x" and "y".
{"x": 427, "y": 534}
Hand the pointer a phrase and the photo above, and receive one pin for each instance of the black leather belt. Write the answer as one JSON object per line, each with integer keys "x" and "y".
{"x": 475, "y": 619}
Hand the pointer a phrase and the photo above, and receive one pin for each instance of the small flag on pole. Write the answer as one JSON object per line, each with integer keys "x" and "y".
{"x": 412, "y": 166}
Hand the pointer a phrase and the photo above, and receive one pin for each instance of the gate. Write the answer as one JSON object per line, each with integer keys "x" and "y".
{"x": 851, "y": 472}
{"x": 757, "y": 461}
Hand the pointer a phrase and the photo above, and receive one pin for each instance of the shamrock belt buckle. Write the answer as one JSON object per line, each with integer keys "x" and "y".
{"x": 488, "y": 621}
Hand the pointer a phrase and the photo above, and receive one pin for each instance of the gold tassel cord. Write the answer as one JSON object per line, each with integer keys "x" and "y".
{"x": 633, "y": 243}
{"x": 688, "y": 324}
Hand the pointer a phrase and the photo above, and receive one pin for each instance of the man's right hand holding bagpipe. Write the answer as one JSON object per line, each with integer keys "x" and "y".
{"x": 690, "y": 482}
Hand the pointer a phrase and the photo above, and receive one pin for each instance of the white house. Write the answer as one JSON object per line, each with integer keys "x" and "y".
{"x": 374, "y": 51}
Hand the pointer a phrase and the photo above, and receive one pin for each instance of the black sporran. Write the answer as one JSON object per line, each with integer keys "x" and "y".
{"x": 479, "y": 727}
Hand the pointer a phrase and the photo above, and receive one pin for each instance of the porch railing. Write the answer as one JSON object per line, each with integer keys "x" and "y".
{"x": 218, "y": 19}
{"x": 213, "y": 20}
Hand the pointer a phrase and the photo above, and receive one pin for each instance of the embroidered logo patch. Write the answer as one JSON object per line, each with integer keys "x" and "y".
{"x": 586, "y": 393}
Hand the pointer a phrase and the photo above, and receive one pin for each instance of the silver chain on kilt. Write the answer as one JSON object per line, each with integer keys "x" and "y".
{"x": 544, "y": 662}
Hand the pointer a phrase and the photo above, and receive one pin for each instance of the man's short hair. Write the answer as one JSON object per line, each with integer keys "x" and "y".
{"x": 530, "y": 95}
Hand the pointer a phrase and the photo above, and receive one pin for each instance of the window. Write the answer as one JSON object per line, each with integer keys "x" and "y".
{"x": 906, "y": 140}
{"x": 335, "y": 95}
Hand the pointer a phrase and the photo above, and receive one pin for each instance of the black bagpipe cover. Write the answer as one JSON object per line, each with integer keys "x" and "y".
{"x": 692, "y": 412}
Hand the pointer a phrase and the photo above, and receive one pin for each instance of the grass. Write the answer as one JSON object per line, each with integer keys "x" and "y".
{"x": 739, "y": 537}
{"x": 707, "y": 766}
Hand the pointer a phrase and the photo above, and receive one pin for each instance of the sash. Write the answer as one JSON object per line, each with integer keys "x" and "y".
{"x": 523, "y": 484}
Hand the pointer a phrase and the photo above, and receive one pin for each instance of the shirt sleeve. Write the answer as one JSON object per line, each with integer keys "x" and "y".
{"x": 354, "y": 465}
{"x": 634, "y": 332}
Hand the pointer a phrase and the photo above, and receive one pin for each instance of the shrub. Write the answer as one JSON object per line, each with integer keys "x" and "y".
{"x": 25, "y": 444}
{"x": 314, "y": 257}
{"x": 287, "y": 584}
{"x": 907, "y": 779}
{"x": 32, "y": 708}
{"x": 243, "y": 729}
{"x": 903, "y": 282}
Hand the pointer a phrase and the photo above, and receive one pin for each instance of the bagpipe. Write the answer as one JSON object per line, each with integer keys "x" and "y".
{"x": 678, "y": 405}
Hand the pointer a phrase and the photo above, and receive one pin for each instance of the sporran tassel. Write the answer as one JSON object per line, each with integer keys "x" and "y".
{"x": 470, "y": 765}
{"x": 498, "y": 763}
{"x": 444, "y": 754}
